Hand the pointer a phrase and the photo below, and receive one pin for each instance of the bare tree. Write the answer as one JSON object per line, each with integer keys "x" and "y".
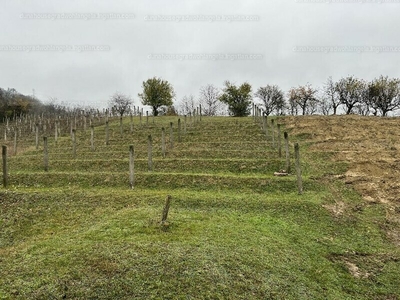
{"x": 187, "y": 105}
{"x": 325, "y": 105}
{"x": 272, "y": 98}
{"x": 331, "y": 95}
{"x": 351, "y": 92}
{"x": 303, "y": 97}
{"x": 120, "y": 103}
{"x": 293, "y": 107}
{"x": 209, "y": 101}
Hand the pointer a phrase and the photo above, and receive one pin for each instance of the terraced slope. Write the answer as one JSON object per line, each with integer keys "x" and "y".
{"x": 220, "y": 153}
{"x": 234, "y": 230}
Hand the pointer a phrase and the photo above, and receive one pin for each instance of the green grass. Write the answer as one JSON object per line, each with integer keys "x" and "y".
{"x": 234, "y": 231}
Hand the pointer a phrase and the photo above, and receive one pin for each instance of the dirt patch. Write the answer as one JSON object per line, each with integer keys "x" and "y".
{"x": 336, "y": 209}
{"x": 370, "y": 146}
{"x": 355, "y": 271}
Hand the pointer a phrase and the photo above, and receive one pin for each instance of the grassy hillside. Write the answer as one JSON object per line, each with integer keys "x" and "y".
{"x": 234, "y": 230}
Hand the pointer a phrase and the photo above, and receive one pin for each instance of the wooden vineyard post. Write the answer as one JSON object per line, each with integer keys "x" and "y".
{"x": 92, "y": 137}
{"x": 140, "y": 117}
{"x": 147, "y": 118}
{"x": 55, "y": 132}
{"x": 150, "y": 153}
{"x": 163, "y": 142}
{"x": 5, "y": 175}
{"x": 59, "y": 128}
{"x": 15, "y": 142}
{"x": 265, "y": 124}
{"x": 200, "y": 111}
{"x": 131, "y": 167}
{"x": 166, "y": 210}
{"x": 184, "y": 125}
{"x": 45, "y": 154}
{"x": 71, "y": 128}
{"x": 273, "y": 132}
{"x": 121, "y": 128}
{"x": 298, "y": 168}
{"x": 171, "y": 136}
{"x": 131, "y": 123}
{"x": 279, "y": 141}
{"x": 179, "y": 130}
{"x": 37, "y": 136}
{"x": 74, "y": 143}
{"x": 107, "y": 133}
{"x": 286, "y": 136}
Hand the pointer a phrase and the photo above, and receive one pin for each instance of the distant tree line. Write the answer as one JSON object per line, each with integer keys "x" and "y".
{"x": 13, "y": 103}
{"x": 349, "y": 95}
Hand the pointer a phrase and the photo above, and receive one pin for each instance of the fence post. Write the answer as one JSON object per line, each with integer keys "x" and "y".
{"x": 150, "y": 152}
{"x": 5, "y": 175}
{"x": 166, "y": 210}
{"x": 163, "y": 142}
{"x": 15, "y": 142}
{"x": 55, "y": 132}
{"x": 298, "y": 168}
{"x": 92, "y": 137}
{"x": 45, "y": 154}
{"x": 179, "y": 130}
{"x": 107, "y": 133}
{"x": 184, "y": 126}
{"x": 279, "y": 141}
{"x": 265, "y": 124}
{"x": 147, "y": 118}
{"x": 273, "y": 132}
{"x": 131, "y": 167}
{"x": 37, "y": 136}
{"x": 200, "y": 111}
{"x": 171, "y": 136}
{"x": 131, "y": 123}
{"x": 59, "y": 128}
{"x": 121, "y": 129}
{"x": 286, "y": 136}
{"x": 74, "y": 143}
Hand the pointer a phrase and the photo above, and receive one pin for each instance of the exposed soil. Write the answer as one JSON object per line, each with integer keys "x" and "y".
{"x": 371, "y": 147}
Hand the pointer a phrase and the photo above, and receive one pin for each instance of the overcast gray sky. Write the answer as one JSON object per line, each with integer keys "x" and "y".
{"x": 44, "y": 44}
